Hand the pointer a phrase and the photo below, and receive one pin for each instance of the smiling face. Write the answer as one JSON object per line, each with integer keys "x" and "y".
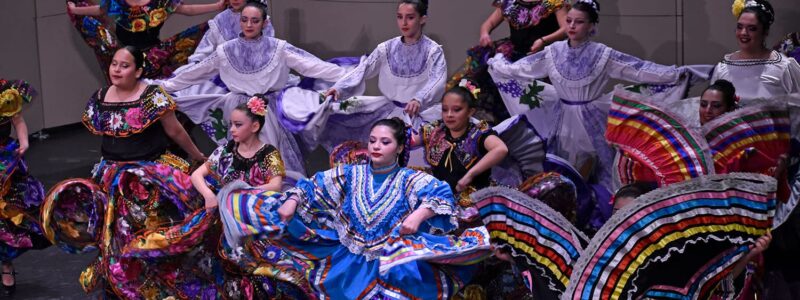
{"x": 409, "y": 21}
{"x": 252, "y": 22}
{"x": 455, "y": 112}
{"x": 122, "y": 70}
{"x": 750, "y": 34}
{"x": 242, "y": 127}
{"x": 712, "y": 105}
{"x": 383, "y": 147}
{"x": 578, "y": 26}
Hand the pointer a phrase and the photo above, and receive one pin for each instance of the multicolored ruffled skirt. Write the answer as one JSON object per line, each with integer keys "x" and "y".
{"x": 154, "y": 236}
{"x": 160, "y": 60}
{"x": 22, "y": 194}
{"x": 418, "y": 266}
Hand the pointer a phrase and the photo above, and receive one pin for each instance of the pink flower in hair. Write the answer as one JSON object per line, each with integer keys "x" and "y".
{"x": 256, "y": 106}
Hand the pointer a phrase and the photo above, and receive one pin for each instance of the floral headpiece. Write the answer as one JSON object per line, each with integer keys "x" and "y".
{"x": 257, "y": 106}
{"x": 593, "y": 3}
{"x": 739, "y": 6}
{"x": 12, "y": 95}
{"x": 471, "y": 87}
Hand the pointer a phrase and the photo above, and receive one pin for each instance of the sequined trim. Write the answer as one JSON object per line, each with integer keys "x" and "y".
{"x": 126, "y": 118}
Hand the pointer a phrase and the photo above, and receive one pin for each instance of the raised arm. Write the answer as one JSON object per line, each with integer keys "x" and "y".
{"x": 309, "y": 65}
{"x": 199, "y": 9}
{"x": 344, "y": 88}
{"x": 633, "y": 69}
{"x": 560, "y": 34}
{"x": 91, "y": 10}
{"x": 194, "y": 74}
{"x": 531, "y": 67}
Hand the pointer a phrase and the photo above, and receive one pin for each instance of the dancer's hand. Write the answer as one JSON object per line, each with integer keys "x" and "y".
{"x": 760, "y": 246}
{"x": 23, "y": 147}
{"x": 70, "y": 6}
{"x": 411, "y": 224}
{"x": 211, "y": 202}
{"x": 332, "y": 93}
{"x": 485, "y": 40}
{"x": 286, "y": 211}
{"x": 412, "y": 108}
{"x": 464, "y": 182}
{"x": 537, "y": 46}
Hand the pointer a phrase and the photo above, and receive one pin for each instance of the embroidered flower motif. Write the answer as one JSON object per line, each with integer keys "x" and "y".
{"x": 138, "y": 25}
{"x": 134, "y": 118}
{"x": 160, "y": 100}
{"x": 90, "y": 111}
{"x": 737, "y": 8}
{"x": 184, "y": 44}
{"x": 474, "y": 90}
{"x": 10, "y": 102}
{"x": 115, "y": 121}
{"x": 157, "y": 16}
{"x": 257, "y": 106}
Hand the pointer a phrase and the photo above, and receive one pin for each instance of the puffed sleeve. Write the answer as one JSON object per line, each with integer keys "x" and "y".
{"x": 436, "y": 79}
{"x": 214, "y": 161}
{"x": 273, "y": 163}
{"x": 309, "y": 65}
{"x": 534, "y": 66}
{"x": 367, "y": 69}
{"x": 437, "y": 196}
{"x": 194, "y": 74}
{"x": 633, "y": 69}
{"x": 791, "y": 78}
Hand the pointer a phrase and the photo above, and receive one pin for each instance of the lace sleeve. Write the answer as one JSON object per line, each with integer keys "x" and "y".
{"x": 309, "y": 65}
{"x": 630, "y": 68}
{"x": 437, "y": 196}
{"x": 365, "y": 70}
{"x": 436, "y": 79}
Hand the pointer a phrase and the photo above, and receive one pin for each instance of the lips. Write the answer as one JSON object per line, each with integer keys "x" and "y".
{"x": 376, "y": 155}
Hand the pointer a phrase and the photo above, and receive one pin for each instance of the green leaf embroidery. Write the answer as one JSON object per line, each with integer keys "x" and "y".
{"x": 218, "y": 123}
{"x": 531, "y": 96}
{"x": 352, "y": 102}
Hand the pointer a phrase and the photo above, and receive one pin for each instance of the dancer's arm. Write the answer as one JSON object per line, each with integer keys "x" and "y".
{"x": 91, "y": 10}
{"x": 22, "y": 133}
{"x": 176, "y": 132}
{"x": 199, "y": 9}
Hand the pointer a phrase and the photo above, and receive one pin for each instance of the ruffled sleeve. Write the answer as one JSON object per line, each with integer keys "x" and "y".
{"x": 321, "y": 196}
{"x": 273, "y": 164}
{"x": 367, "y": 69}
{"x": 153, "y": 104}
{"x": 309, "y": 65}
{"x": 194, "y": 74}
{"x": 630, "y": 68}
{"x": 436, "y": 79}
{"x": 438, "y": 197}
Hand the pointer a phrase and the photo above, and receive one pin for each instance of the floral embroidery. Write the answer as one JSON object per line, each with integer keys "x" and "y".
{"x": 527, "y": 15}
{"x": 124, "y": 119}
{"x": 439, "y": 144}
{"x": 227, "y": 165}
{"x": 157, "y": 16}
{"x": 140, "y": 18}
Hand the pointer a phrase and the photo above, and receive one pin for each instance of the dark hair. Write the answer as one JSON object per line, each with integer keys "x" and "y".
{"x": 764, "y": 13}
{"x": 259, "y": 5}
{"x": 589, "y": 9}
{"x": 728, "y": 92}
{"x": 253, "y": 117}
{"x": 399, "y": 132}
{"x": 421, "y": 6}
{"x": 465, "y": 95}
{"x": 138, "y": 55}
{"x": 635, "y": 189}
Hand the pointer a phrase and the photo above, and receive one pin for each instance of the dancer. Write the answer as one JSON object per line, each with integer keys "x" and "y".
{"x": 411, "y": 73}
{"x": 138, "y": 23}
{"x": 139, "y": 209}
{"x": 365, "y": 231}
{"x": 579, "y": 70}
{"x": 251, "y": 65}
{"x": 533, "y": 24}
{"x": 22, "y": 194}
{"x": 225, "y": 27}
{"x": 755, "y": 70}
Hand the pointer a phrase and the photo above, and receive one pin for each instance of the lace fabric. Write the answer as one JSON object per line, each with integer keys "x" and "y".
{"x": 250, "y": 56}
{"x": 408, "y": 60}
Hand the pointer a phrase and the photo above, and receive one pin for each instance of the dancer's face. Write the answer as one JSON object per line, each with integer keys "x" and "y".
{"x": 123, "y": 71}
{"x": 749, "y": 32}
{"x": 242, "y": 127}
{"x": 237, "y": 5}
{"x": 621, "y": 202}
{"x": 579, "y": 27}
{"x": 252, "y": 22}
{"x": 383, "y": 147}
{"x": 455, "y": 112}
{"x": 712, "y": 106}
{"x": 409, "y": 21}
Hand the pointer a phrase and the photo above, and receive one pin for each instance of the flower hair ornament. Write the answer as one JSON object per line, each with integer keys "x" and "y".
{"x": 471, "y": 87}
{"x": 257, "y": 105}
{"x": 739, "y": 6}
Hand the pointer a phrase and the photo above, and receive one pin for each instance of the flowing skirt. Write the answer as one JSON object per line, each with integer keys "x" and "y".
{"x": 22, "y": 195}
